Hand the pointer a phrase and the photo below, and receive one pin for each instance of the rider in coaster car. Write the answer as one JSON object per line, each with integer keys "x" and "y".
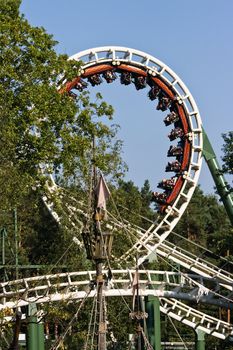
{"x": 81, "y": 84}
{"x": 153, "y": 93}
{"x": 164, "y": 102}
{"x": 109, "y": 76}
{"x": 140, "y": 82}
{"x": 159, "y": 197}
{"x": 173, "y": 166}
{"x": 95, "y": 79}
{"x": 175, "y": 133}
{"x": 167, "y": 184}
{"x": 126, "y": 78}
{"x": 171, "y": 118}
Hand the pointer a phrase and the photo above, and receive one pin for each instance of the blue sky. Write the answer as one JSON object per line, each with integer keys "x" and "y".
{"x": 194, "y": 38}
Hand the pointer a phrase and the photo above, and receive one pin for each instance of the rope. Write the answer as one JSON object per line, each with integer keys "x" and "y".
{"x": 59, "y": 341}
{"x": 89, "y": 325}
{"x": 199, "y": 285}
{"x": 177, "y": 332}
{"x": 48, "y": 272}
{"x": 146, "y": 341}
{"x": 95, "y": 321}
{"x": 184, "y": 238}
{"x": 118, "y": 214}
{"x": 186, "y": 277}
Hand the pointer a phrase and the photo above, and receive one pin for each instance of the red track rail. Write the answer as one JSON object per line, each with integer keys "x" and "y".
{"x": 124, "y": 67}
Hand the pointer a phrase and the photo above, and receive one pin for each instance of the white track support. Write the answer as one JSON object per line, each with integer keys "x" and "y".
{"x": 196, "y": 319}
{"x": 170, "y": 284}
{"x": 196, "y": 264}
{"x": 146, "y": 245}
{"x": 77, "y": 285}
{"x": 118, "y": 56}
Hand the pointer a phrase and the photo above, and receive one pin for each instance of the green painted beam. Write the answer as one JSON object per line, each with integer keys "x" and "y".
{"x": 152, "y": 307}
{"x": 200, "y": 340}
{"x": 40, "y": 336}
{"x": 35, "y": 339}
{"x": 34, "y": 267}
{"x": 216, "y": 172}
{"x": 31, "y": 336}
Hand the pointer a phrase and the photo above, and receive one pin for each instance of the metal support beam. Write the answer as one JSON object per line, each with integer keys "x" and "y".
{"x": 31, "y": 338}
{"x": 16, "y": 244}
{"x": 200, "y": 340}
{"x": 35, "y": 330}
{"x": 152, "y": 307}
{"x": 40, "y": 336}
{"x": 216, "y": 172}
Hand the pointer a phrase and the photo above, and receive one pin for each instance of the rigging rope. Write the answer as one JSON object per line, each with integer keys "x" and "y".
{"x": 90, "y": 323}
{"x": 185, "y": 239}
{"x": 199, "y": 285}
{"x": 177, "y": 332}
{"x": 59, "y": 341}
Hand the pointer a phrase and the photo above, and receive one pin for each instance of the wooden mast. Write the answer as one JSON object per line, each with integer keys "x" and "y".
{"x": 98, "y": 246}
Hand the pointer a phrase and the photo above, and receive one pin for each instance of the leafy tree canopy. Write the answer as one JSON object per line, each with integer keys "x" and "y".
{"x": 228, "y": 152}
{"x": 38, "y": 124}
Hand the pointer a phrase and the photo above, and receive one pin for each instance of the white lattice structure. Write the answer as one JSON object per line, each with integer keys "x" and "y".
{"x": 170, "y": 286}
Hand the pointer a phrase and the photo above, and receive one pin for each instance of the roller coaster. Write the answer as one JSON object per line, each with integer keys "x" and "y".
{"x": 203, "y": 282}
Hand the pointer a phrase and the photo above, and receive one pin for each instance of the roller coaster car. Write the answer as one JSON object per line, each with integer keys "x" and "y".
{"x": 126, "y": 78}
{"x": 95, "y": 79}
{"x": 167, "y": 184}
{"x": 153, "y": 93}
{"x": 175, "y": 151}
{"x": 109, "y": 76}
{"x": 160, "y": 198}
{"x": 164, "y": 102}
{"x": 81, "y": 85}
{"x": 171, "y": 118}
{"x": 140, "y": 82}
{"x": 72, "y": 95}
{"x": 174, "y": 166}
{"x": 175, "y": 133}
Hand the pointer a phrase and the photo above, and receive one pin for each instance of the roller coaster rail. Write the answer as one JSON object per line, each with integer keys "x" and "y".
{"x": 148, "y": 248}
{"x": 76, "y": 285}
{"x": 207, "y": 283}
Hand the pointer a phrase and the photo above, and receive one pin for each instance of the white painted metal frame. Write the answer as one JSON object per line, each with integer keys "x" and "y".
{"x": 224, "y": 279}
{"x": 77, "y": 285}
{"x": 117, "y": 55}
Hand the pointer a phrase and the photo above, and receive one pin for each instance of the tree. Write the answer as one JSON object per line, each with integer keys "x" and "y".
{"x": 228, "y": 152}
{"x": 38, "y": 124}
{"x": 41, "y": 126}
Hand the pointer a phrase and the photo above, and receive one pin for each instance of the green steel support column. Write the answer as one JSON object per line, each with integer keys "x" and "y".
{"x": 200, "y": 340}
{"x": 35, "y": 330}
{"x": 31, "y": 339}
{"x": 152, "y": 307}
{"x": 220, "y": 182}
{"x": 4, "y": 233}
{"x": 40, "y": 336}
{"x": 16, "y": 244}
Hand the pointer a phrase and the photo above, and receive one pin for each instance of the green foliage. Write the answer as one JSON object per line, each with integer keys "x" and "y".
{"x": 40, "y": 125}
{"x": 134, "y": 204}
{"x": 130, "y": 206}
{"x": 228, "y": 152}
{"x": 204, "y": 220}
